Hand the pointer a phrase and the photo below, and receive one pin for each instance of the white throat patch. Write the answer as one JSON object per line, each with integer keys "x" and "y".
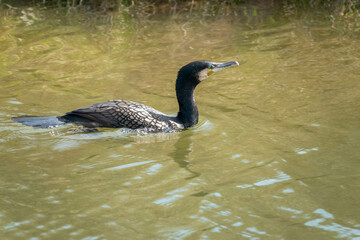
{"x": 203, "y": 74}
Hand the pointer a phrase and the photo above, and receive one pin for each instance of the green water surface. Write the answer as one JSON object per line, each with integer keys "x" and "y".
{"x": 275, "y": 155}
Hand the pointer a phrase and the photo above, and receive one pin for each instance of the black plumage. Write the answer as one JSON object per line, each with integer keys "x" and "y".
{"x": 128, "y": 114}
{"x": 120, "y": 113}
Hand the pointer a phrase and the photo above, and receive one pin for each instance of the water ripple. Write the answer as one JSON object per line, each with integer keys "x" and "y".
{"x": 129, "y": 165}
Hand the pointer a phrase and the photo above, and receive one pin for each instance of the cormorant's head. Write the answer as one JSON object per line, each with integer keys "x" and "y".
{"x": 200, "y": 70}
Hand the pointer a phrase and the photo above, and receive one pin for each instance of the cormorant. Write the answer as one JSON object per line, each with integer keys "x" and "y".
{"x": 127, "y": 114}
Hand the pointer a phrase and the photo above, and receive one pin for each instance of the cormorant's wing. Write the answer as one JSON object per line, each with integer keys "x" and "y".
{"x": 117, "y": 113}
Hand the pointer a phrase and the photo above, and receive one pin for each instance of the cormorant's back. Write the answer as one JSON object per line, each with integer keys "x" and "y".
{"x": 119, "y": 113}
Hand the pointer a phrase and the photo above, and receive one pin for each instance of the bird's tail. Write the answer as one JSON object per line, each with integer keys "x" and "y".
{"x": 39, "y": 122}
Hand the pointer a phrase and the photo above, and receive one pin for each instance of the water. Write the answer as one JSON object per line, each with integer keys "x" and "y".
{"x": 275, "y": 155}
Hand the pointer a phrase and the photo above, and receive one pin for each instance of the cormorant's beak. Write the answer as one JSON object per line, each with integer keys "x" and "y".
{"x": 215, "y": 67}
{"x": 220, "y": 66}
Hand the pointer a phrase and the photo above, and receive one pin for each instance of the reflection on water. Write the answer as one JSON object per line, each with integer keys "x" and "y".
{"x": 183, "y": 148}
{"x": 275, "y": 155}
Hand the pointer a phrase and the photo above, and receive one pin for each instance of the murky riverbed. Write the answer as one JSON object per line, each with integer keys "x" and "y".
{"x": 275, "y": 155}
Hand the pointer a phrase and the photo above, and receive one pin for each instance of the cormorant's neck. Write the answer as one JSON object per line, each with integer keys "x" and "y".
{"x": 188, "y": 112}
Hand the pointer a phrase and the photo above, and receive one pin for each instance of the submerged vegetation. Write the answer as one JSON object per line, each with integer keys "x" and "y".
{"x": 344, "y": 14}
{"x": 212, "y": 7}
